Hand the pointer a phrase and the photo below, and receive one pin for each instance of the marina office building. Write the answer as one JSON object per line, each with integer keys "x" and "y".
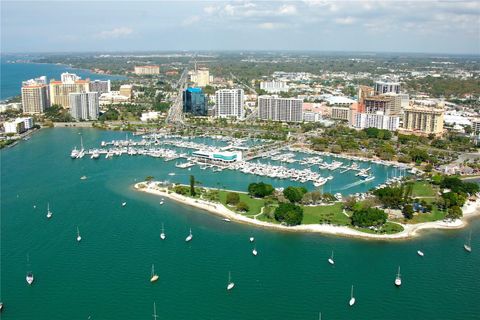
{"x": 280, "y": 109}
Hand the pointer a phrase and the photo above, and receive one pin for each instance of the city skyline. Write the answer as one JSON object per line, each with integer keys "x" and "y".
{"x": 355, "y": 26}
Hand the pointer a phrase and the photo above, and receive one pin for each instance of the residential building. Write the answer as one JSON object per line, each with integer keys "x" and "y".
{"x": 423, "y": 119}
{"x": 274, "y": 86}
{"x": 382, "y": 104}
{"x": 382, "y": 87}
{"x": 380, "y": 121}
{"x": 194, "y": 102}
{"x": 280, "y": 109}
{"x": 476, "y": 126}
{"x": 60, "y": 90}
{"x": 363, "y": 93}
{"x": 100, "y": 86}
{"x": 34, "y": 97}
{"x": 126, "y": 90}
{"x": 27, "y": 122}
{"x": 310, "y": 116}
{"x": 16, "y": 126}
{"x": 200, "y": 77}
{"x": 147, "y": 70}
{"x": 69, "y": 78}
{"x": 341, "y": 113}
{"x": 84, "y": 105}
{"x": 229, "y": 103}
{"x": 10, "y": 106}
{"x": 39, "y": 80}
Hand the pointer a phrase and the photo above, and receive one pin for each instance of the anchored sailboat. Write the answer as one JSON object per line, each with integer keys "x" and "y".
{"x": 154, "y": 277}
{"x": 162, "y": 234}
{"x": 330, "y": 260}
{"x": 230, "y": 284}
{"x": 189, "y": 237}
{"x": 49, "y": 213}
{"x": 79, "y": 238}
{"x": 352, "y": 298}
{"x": 398, "y": 279}
{"x": 468, "y": 245}
{"x": 254, "y": 251}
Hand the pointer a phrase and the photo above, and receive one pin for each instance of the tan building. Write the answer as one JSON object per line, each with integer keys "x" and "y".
{"x": 60, "y": 91}
{"x": 423, "y": 119}
{"x": 201, "y": 77}
{"x": 341, "y": 113}
{"x": 35, "y": 98}
{"x": 126, "y": 90}
{"x": 363, "y": 93}
{"x": 147, "y": 70}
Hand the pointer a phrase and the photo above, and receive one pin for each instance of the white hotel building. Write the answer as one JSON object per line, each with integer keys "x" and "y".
{"x": 280, "y": 109}
{"x": 274, "y": 86}
{"x": 84, "y": 105}
{"x": 229, "y": 103}
{"x": 376, "y": 120}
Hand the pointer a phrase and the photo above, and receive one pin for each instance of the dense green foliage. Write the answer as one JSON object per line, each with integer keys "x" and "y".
{"x": 294, "y": 194}
{"x": 289, "y": 214}
{"x": 391, "y": 197}
{"x": 57, "y": 113}
{"x": 233, "y": 198}
{"x": 260, "y": 190}
{"x": 368, "y": 217}
{"x": 192, "y": 185}
{"x": 242, "y": 207}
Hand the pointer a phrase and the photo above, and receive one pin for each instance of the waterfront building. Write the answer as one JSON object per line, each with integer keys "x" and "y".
{"x": 27, "y": 122}
{"x": 126, "y": 90}
{"x": 100, "y": 86}
{"x": 10, "y": 106}
{"x": 200, "y": 77}
{"x": 229, "y": 103}
{"x": 147, "y": 70}
{"x": 60, "y": 91}
{"x": 280, "y": 109}
{"x": 274, "y": 86}
{"x": 84, "y": 105}
{"x": 16, "y": 126}
{"x": 218, "y": 156}
{"x": 39, "y": 80}
{"x": 34, "y": 97}
{"x": 382, "y": 87}
{"x": 69, "y": 78}
{"x": 423, "y": 118}
{"x": 194, "y": 102}
{"x": 379, "y": 120}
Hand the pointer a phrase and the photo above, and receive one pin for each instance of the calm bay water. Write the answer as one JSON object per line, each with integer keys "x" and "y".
{"x": 12, "y": 75}
{"x": 106, "y": 276}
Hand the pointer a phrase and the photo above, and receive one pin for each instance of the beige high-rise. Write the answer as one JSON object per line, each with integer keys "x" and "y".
{"x": 423, "y": 119}
{"x": 59, "y": 91}
{"x": 34, "y": 98}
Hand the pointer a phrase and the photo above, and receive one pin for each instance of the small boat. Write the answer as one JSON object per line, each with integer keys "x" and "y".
{"x": 252, "y": 239}
{"x": 162, "y": 234}
{"x": 330, "y": 260}
{"x": 398, "y": 279}
{"x": 420, "y": 253}
{"x": 79, "y": 238}
{"x": 29, "y": 278}
{"x": 1, "y": 306}
{"x": 254, "y": 251}
{"x": 161, "y": 202}
{"x": 171, "y": 174}
{"x": 226, "y": 220}
{"x": 49, "y": 213}
{"x": 34, "y": 207}
{"x": 468, "y": 245}
{"x": 153, "y": 277}
{"x": 352, "y": 298}
{"x": 124, "y": 204}
{"x": 83, "y": 178}
{"x": 230, "y": 284}
{"x": 189, "y": 237}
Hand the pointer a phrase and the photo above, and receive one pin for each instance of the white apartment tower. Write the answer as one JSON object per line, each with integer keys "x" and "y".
{"x": 229, "y": 103}
{"x": 84, "y": 105}
{"x": 280, "y": 109}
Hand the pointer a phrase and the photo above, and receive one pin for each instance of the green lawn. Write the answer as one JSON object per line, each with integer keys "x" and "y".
{"x": 254, "y": 205}
{"x": 387, "y": 228}
{"x": 428, "y": 217}
{"x": 423, "y": 189}
{"x": 322, "y": 214}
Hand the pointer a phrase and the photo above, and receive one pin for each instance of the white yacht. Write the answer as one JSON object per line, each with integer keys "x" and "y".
{"x": 330, "y": 260}
{"x": 153, "y": 277}
{"x": 252, "y": 239}
{"x": 83, "y": 178}
{"x": 468, "y": 245}
{"x": 29, "y": 278}
{"x": 79, "y": 238}
{"x": 352, "y": 298}
{"x": 74, "y": 153}
{"x": 398, "y": 279}
{"x": 226, "y": 220}
{"x": 254, "y": 251}
{"x": 124, "y": 204}
{"x": 49, "y": 213}
{"x": 162, "y": 234}
{"x": 230, "y": 284}
{"x": 420, "y": 253}
{"x": 189, "y": 237}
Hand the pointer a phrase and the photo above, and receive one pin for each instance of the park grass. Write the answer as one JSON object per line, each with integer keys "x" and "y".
{"x": 387, "y": 228}
{"x": 332, "y": 214}
{"x": 423, "y": 189}
{"x": 435, "y": 215}
{"x": 254, "y": 205}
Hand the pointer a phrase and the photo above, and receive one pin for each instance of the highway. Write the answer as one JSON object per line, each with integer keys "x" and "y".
{"x": 175, "y": 113}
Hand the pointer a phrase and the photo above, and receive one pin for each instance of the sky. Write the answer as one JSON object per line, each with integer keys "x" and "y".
{"x": 323, "y": 25}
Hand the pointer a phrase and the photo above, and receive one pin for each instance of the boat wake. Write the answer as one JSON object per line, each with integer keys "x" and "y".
{"x": 351, "y": 185}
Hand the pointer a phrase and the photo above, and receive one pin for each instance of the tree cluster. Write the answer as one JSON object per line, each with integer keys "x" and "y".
{"x": 260, "y": 190}
{"x": 289, "y": 214}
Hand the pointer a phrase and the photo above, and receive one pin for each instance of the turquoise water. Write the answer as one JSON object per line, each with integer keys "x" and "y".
{"x": 106, "y": 276}
{"x": 12, "y": 75}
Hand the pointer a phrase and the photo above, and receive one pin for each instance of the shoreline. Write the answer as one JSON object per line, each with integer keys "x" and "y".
{"x": 410, "y": 230}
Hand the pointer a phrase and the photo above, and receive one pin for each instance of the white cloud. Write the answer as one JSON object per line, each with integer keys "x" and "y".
{"x": 114, "y": 33}
{"x": 270, "y": 25}
{"x": 288, "y": 9}
{"x": 345, "y": 21}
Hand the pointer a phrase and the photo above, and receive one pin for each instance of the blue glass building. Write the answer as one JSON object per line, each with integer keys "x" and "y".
{"x": 194, "y": 102}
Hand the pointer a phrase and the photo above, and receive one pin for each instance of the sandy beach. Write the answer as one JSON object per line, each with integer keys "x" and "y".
{"x": 471, "y": 209}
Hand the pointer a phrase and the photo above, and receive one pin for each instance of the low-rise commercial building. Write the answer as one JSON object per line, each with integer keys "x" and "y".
{"x": 274, "y": 86}
{"x": 218, "y": 156}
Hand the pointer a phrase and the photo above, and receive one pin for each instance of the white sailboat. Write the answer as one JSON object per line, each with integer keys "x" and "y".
{"x": 468, "y": 245}
{"x": 189, "y": 237}
{"x": 49, "y": 213}
{"x": 124, "y": 204}
{"x": 352, "y": 298}
{"x": 154, "y": 277}
{"x": 154, "y": 311}
{"x": 398, "y": 279}
{"x": 420, "y": 253}
{"x": 29, "y": 277}
{"x": 79, "y": 238}
{"x": 252, "y": 239}
{"x": 330, "y": 260}
{"x": 254, "y": 251}
{"x": 230, "y": 284}
{"x": 162, "y": 234}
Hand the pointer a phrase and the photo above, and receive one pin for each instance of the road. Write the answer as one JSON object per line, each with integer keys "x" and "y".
{"x": 175, "y": 113}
